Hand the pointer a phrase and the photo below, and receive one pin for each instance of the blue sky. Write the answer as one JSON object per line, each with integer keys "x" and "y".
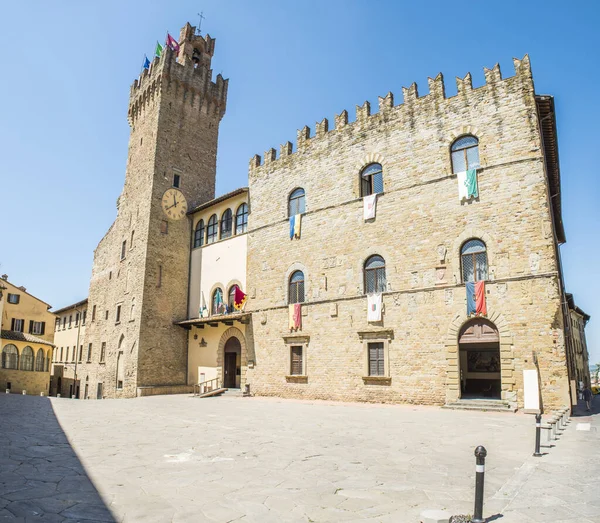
{"x": 68, "y": 67}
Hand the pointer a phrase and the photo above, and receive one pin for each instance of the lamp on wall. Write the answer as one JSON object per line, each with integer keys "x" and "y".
{"x": 195, "y": 336}
{"x": 203, "y": 343}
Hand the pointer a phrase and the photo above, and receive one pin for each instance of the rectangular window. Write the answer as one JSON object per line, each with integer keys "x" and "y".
{"x": 119, "y": 384}
{"x": 164, "y": 227}
{"x": 14, "y": 298}
{"x": 118, "y": 317}
{"x": 176, "y": 179}
{"x": 296, "y": 361}
{"x": 159, "y": 278}
{"x": 37, "y": 327}
{"x": 102, "y": 352}
{"x": 17, "y": 325}
{"x": 64, "y": 322}
{"x": 76, "y": 319}
{"x": 376, "y": 362}
{"x": 61, "y": 354}
{"x": 57, "y": 324}
{"x": 123, "y": 249}
{"x": 106, "y": 315}
{"x": 80, "y": 359}
{"x": 83, "y": 317}
{"x": 74, "y": 355}
{"x": 70, "y": 320}
{"x": 67, "y": 355}
{"x": 89, "y": 356}
{"x": 93, "y": 313}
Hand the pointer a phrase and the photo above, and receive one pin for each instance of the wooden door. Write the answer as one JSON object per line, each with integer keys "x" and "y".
{"x": 230, "y": 369}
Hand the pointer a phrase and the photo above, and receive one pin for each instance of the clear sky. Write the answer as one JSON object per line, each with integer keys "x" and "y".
{"x": 67, "y": 67}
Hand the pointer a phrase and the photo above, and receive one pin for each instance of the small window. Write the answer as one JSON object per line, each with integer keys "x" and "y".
{"x": 118, "y": 315}
{"x": 296, "y": 288}
{"x": 102, "y": 352}
{"x": 66, "y": 355}
{"x": 61, "y": 354}
{"x": 76, "y": 319}
{"x": 70, "y": 320}
{"x": 211, "y": 229}
{"x": 473, "y": 257}
{"x": 89, "y": 354}
{"x": 371, "y": 179}
{"x": 465, "y": 154}
{"x": 39, "y": 360}
{"x": 123, "y": 249}
{"x": 226, "y": 224}
{"x": 159, "y": 276}
{"x": 176, "y": 179}
{"x": 106, "y": 314}
{"x": 80, "y": 359}
{"x": 231, "y": 298}
{"x": 376, "y": 361}
{"x": 296, "y": 361}
{"x": 10, "y": 357}
{"x": 57, "y": 324}
{"x": 38, "y": 327}
{"x": 74, "y": 355}
{"x": 375, "y": 280}
{"x": 94, "y": 313}
{"x": 131, "y": 241}
{"x": 17, "y": 325}
{"x": 14, "y": 298}
{"x": 83, "y": 317}
{"x": 199, "y": 234}
{"x": 64, "y": 322}
{"x": 297, "y": 203}
{"x": 217, "y": 305}
{"x": 164, "y": 227}
{"x": 241, "y": 219}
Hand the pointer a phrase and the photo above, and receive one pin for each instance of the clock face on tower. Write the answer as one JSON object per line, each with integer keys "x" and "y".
{"x": 174, "y": 204}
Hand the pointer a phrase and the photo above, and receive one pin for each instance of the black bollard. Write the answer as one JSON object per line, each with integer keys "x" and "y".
{"x": 538, "y": 429}
{"x": 480, "y": 454}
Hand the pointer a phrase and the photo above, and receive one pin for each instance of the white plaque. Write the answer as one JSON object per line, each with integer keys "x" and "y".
{"x": 531, "y": 391}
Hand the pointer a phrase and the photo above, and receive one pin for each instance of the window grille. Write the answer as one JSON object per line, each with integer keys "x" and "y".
{"x": 371, "y": 179}
{"x": 199, "y": 234}
{"x": 474, "y": 261}
{"x": 241, "y": 219}
{"x": 27, "y": 359}
{"x": 376, "y": 359}
{"x": 211, "y": 229}
{"x": 296, "y": 288}
{"x": 375, "y": 280}
{"x": 10, "y": 357}
{"x": 296, "y": 360}
{"x": 296, "y": 204}
{"x": 39, "y": 361}
{"x": 226, "y": 224}
{"x": 465, "y": 154}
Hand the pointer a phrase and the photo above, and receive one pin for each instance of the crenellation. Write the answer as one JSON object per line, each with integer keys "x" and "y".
{"x": 255, "y": 162}
{"x": 493, "y": 75}
{"x": 410, "y": 94}
{"x": 270, "y": 156}
{"x": 363, "y": 112}
{"x": 341, "y": 120}
{"x": 386, "y": 104}
{"x": 322, "y": 128}
{"x": 285, "y": 149}
{"x": 303, "y": 137}
{"x": 436, "y": 87}
{"x": 463, "y": 85}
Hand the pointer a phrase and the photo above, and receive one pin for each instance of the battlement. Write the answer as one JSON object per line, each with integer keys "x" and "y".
{"x": 434, "y": 101}
{"x": 187, "y": 74}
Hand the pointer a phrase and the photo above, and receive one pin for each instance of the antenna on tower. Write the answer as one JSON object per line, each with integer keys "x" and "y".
{"x": 200, "y": 18}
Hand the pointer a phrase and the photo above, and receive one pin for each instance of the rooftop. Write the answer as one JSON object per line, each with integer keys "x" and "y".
{"x": 73, "y": 306}
{"x": 23, "y": 336}
{"x": 219, "y": 199}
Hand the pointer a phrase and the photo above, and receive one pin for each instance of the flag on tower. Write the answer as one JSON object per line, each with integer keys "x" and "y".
{"x": 158, "y": 50}
{"x": 146, "y": 62}
{"x": 172, "y": 43}
{"x": 239, "y": 298}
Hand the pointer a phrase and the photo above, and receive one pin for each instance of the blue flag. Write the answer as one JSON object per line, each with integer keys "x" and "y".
{"x": 471, "y": 308}
{"x": 292, "y": 225}
{"x": 146, "y": 62}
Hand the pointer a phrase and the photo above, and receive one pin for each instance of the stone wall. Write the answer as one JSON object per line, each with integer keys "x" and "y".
{"x": 419, "y": 229}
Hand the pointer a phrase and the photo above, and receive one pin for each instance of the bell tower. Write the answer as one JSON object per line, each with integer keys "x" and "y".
{"x": 141, "y": 267}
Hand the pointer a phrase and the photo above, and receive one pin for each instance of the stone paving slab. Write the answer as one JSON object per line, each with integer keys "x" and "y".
{"x": 181, "y": 459}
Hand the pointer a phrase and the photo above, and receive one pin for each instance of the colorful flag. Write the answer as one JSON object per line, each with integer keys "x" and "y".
{"x": 471, "y": 307}
{"x": 295, "y": 316}
{"x": 203, "y": 312}
{"x": 239, "y": 298}
{"x": 172, "y": 43}
{"x": 218, "y": 302}
{"x": 146, "y": 62}
{"x": 158, "y": 50}
{"x": 369, "y": 206}
{"x": 374, "y": 307}
{"x": 292, "y": 226}
{"x": 480, "y": 306}
{"x": 297, "y": 225}
{"x": 471, "y": 183}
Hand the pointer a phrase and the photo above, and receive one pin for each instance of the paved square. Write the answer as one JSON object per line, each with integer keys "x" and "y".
{"x": 181, "y": 459}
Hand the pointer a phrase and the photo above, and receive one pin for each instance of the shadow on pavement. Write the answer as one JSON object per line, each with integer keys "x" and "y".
{"x": 41, "y": 477}
{"x": 580, "y": 410}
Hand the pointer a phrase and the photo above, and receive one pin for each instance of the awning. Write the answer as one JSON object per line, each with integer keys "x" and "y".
{"x": 215, "y": 320}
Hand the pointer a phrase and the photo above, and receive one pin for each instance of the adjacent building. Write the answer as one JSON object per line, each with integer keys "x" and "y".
{"x": 69, "y": 354}
{"x": 26, "y": 340}
{"x": 580, "y": 365}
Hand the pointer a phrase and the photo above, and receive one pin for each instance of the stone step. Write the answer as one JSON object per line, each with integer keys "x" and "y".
{"x": 481, "y": 405}
{"x": 232, "y": 392}
{"x": 212, "y": 393}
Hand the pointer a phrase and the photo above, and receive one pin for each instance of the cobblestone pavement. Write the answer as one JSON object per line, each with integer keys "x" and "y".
{"x": 181, "y": 459}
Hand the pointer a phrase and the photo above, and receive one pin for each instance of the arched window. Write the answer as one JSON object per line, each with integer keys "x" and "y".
{"x": 39, "y": 360}
{"x": 27, "y": 358}
{"x": 10, "y": 357}
{"x": 241, "y": 219}
{"x": 231, "y": 298}
{"x": 474, "y": 262}
{"x": 371, "y": 179}
{"x": 211, "y": 229}
{"x": 465, "y": 154}
{"x": 296, "y": 288}
{"x": 217, "y": 305}
{"x": 226, "y": 224}
{"x": 296, "y": 203}
{"x": 375, "y": 275}
{"x": 199, "y": 234}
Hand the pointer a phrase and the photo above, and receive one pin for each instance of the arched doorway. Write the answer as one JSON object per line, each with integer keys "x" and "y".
{"x": 479, "y": 360}
{"x": 232, "y": 363}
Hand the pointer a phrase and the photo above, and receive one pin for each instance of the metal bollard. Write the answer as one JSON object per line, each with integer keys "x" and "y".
{"x": 480, "y": 454}
{"x": 538, "y": 428}
{"x": 24, "y": 392}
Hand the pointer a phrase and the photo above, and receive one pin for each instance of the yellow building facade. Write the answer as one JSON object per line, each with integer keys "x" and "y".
{"x": 26, "y": 338}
